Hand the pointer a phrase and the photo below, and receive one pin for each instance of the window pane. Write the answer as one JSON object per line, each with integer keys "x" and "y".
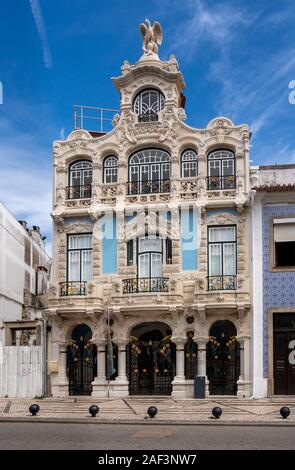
{"x": 229, "y": 259}
{"x": 150, "y": 244}
{"x": 74, "y": 266}
{"x": 156, "y": 267}
{"x": 143, "y": 265}
{"x": 214, "y": 168}
{"x": 215, "y": 262}
{"x": 222, "y": 234}
{"x": 80, "y": 241}
{"x": 86, "y": 265}
{"x": 228, "y": 167}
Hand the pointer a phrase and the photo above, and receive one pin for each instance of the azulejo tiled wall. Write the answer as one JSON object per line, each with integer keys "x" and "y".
{"x": 278, "y": 287}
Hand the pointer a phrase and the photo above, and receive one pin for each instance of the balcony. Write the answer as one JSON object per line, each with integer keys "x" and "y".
{"x": 79, "y": 192}
{"x": 148, "y": 187}
{"x": 145, "y": 284}
{"x": 73, "y": 288}
{"x": 221, "y": 182}
{"x": 222, "y": 283}
{"x": 148, "y": 117}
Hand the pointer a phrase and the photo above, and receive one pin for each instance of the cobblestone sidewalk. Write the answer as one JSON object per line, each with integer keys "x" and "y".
{"x": 134, "y": 410}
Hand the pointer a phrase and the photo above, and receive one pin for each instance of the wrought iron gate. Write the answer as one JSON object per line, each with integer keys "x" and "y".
{"x": 223, "y": 364}
{"x": 151, "y": 366}
{"x": 81, "y": 366}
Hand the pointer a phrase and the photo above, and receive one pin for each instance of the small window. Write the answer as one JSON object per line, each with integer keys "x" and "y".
{"x": 168, "y": 251}
{"x": 221, "y": 170}
{"x": 148, "y": 104}
{"x": 284, "y": 241}
{"x": 110, "y": 169}
{"x": 130, "y": 253}
{"x": 80, "y": 180}
{"x": 189, "y": 164}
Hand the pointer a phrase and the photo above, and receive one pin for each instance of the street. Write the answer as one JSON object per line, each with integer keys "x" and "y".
{"x": 60, "y": 436}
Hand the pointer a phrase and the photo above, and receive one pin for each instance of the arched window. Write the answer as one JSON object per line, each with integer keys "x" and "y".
{"x": 148, "y": 104}
{"x": 189, "y": 164}
{"x": 80, "y": 180}
{"x": 110, "y": 169}
{"x": 149, "y": 172}
{"x": 221, "y": 169}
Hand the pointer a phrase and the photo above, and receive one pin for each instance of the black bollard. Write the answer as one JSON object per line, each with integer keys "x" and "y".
{"x": 284, "y": 411}
{"x": 33, "y": 409}
{"x": 217, "y": 412}
{"x": 93, "y": 410}
{"x": 152, "y": 411}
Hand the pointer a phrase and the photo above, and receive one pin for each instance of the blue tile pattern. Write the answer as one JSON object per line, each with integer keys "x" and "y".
{"x": 278, "y": 288}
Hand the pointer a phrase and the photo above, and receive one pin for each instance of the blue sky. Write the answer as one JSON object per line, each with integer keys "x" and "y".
{"x": 237, "y": 58}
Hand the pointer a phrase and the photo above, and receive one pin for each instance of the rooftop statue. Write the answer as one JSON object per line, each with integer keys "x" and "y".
{"x": 152, "y": 36}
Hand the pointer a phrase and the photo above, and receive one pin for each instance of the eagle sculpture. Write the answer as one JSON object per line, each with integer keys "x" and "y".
{"x": 151, "y": 36}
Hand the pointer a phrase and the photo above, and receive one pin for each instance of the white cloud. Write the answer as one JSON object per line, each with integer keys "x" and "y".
{"x": 41, "y": 28}
{"x": 216, "y": 24}
{"x": 25, "y": 161}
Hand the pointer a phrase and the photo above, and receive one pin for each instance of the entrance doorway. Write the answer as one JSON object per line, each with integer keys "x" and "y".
{"x": 151, "y": 359}
{"x": 223, "y": 359}
{"x": 284, "y": 353}
{"x": 81, "y": 361}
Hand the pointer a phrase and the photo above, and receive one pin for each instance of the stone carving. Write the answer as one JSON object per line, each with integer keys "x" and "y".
{"x": 173, "y": 64}
{"x": 116, "y": 119}
{"x": 151, "y": 37}
{"x": 181, "y": 114}
{"x": 125, "y": 67}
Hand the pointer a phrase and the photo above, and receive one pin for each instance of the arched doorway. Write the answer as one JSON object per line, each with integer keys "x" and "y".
{"x": 151, "y": 359}
{"x": 81, "y": 361}
{"x": 223, "y": 359}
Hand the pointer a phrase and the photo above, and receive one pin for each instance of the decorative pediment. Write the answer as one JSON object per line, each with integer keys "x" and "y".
{"x": 79, "y": 134}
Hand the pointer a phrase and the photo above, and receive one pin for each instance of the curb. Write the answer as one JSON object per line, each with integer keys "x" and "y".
{"x": 148, "y": 422}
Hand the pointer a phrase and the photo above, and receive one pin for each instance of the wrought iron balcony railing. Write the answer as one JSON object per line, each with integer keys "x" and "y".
{"x": 221, "y": 182}
{"x": 147, "y": 117}
{"x": 222, "y": 282}
{"x": 148, "y": 187}
{"x": 145, "y": 284}
{"x": 79, "y": 192}
{"x": 73, "y": 288}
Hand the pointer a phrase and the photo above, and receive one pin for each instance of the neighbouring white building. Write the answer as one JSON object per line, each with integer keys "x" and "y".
{"x": 24, "y": 279}
{"x": 273, "y": 280}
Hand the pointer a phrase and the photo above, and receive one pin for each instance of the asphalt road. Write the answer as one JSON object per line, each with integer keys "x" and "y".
{"x": 142, "y": 437}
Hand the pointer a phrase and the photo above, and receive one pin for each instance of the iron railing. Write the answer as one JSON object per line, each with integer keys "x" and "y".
{"x": 93, "y": 119}
{"x": 148, "y": 187}
{"x": 148, "y": 117}
{"x": 145, "y": 284}
{"x": 73, "y": 288}
{"x": 222, "y": 282}
{"x": 221, "y": 182}
{"x": 79, "y": 192}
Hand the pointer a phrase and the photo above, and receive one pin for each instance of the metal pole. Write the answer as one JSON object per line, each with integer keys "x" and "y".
{"x": 109, "y": 335}
{"x": 101, "y": 119}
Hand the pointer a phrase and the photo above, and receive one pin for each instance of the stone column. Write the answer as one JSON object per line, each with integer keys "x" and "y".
{"x": 119, "y": 386}
{"x": 201, "y": 367}
{"x": 202, "y": 358}
{"x": 179, "y": 382}
{"x": 121, "y": 360}
{"x": 244, "y": 382}
{"x": 59, "y": 380}
{"x": 100, "y": 385}
{"x": 62, "y": 360}
{"x": 242, "y": 375}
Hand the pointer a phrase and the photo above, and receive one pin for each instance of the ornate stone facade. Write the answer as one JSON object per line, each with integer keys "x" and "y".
{"x": 186, "y": 292}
